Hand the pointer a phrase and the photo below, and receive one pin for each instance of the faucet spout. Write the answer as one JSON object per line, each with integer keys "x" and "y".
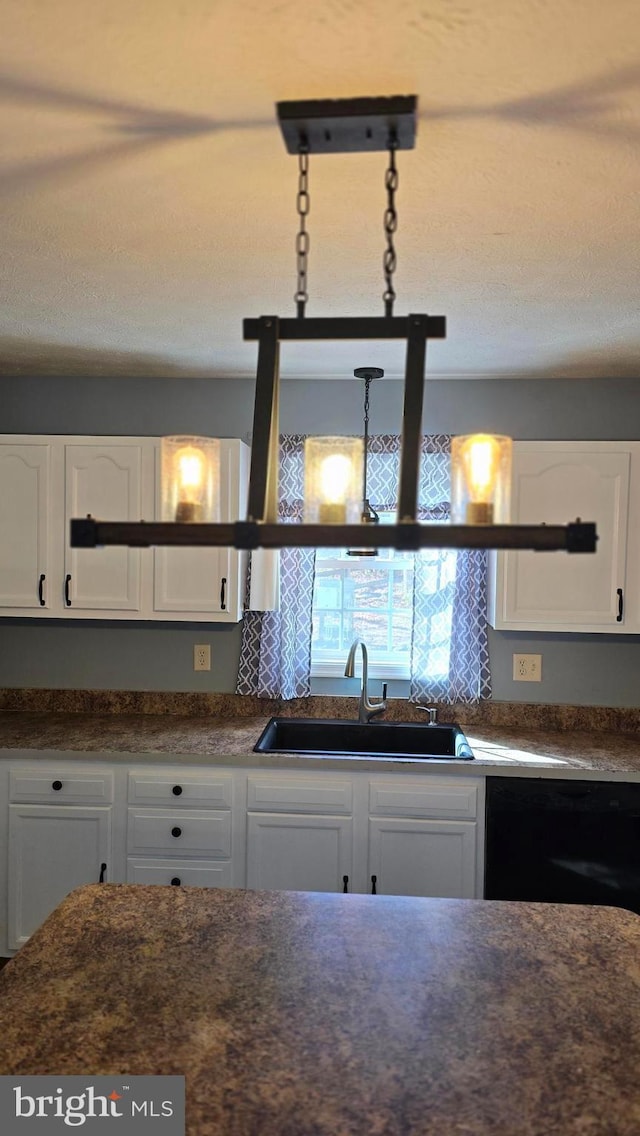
{"x": 367, "y": 709}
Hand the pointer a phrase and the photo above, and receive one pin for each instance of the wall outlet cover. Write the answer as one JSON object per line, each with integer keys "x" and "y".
{"x": 202, "y": 657}
{"x": 527, "y": 668}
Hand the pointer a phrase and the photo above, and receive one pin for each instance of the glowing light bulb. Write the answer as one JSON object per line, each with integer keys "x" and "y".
{"x": 190, "y": 464}
{"x": 480, "y": 479}
{"x": 333, "y": 480}
{"x": 190, "y": 479}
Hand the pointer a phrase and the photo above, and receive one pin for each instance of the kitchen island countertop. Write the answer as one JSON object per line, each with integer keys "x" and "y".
{"x": 305, "y": 1013}
{"x": 216, "y": 740}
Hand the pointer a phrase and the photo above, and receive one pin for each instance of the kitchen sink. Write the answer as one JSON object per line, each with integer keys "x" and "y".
{"x": 327, "y": 737}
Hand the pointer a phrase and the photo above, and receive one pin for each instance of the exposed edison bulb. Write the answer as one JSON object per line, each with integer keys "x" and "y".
{"x": 333, "y": 480}
{"x": 190, "y": 465}
{"x": 481, "y": 469}
{"x": 190, "y": 479}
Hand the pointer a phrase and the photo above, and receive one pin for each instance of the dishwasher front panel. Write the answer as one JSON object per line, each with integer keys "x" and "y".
{"x": 558, "y": 841}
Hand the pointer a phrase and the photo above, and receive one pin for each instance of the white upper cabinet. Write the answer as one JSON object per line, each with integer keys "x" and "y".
{"x": 104, "y": 479}
{"x": 25, "y": 492}
{"x": 45, "y": 481}
{"x": 557, "y": 482}
{"x": 206, "y": 583}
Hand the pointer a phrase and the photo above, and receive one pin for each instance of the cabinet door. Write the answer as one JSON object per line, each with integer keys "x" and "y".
{"x": 25, "y": 489}
{"x": 105, "y": 480}
{"x": 422, "y": 857}
{"x": 556, "y": 483}
{"x": 299, "y": 853}
{"x": 52, "y": 850}
{"x": 206, "y": 583}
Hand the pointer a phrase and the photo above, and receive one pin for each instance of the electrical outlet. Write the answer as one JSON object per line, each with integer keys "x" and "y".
{"x": 202, "y": 657}
{"x": 527, "y": 668}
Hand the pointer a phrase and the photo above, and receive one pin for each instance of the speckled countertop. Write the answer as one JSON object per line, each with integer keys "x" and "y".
{"x": 204, "y": 740}
{"x": 293, "y": 1014}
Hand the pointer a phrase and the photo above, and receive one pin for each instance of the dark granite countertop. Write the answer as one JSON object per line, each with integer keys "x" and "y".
{"x": 293, "y": 1014}
{"x": 512, "y": 749}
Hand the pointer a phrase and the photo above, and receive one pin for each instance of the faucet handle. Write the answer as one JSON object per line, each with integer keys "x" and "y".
{"x": 432, "y": 711}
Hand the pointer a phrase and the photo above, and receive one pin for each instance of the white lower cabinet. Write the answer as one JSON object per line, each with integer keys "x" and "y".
{"x": 422, "y": 857}
{"x": 77, "y": 822}
{"x": 299, "y": 852}
{"x": 52, "y": 850}
{"x": 424, "y": 840}
{"x": 181, "y": 843}
{"x": 60, "y": 836}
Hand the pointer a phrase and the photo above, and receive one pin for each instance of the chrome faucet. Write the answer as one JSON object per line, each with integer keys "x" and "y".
{"x": 366, "y": 709}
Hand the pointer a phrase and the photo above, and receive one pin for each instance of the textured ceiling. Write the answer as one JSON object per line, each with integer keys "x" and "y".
{"x": 147, "y": 200}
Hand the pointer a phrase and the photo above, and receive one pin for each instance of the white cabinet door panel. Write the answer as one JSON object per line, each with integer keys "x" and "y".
{"x": 556, "y": 483}
{"x": 206, "y": 582}
{"x": 423, "y": 857}
{"x": 105, "y": 481}
{"x": 191, "y": 579}
{"x": 52, "y": 850}
{"x": 25, "y": 477}
{"x": 298, "y": 853}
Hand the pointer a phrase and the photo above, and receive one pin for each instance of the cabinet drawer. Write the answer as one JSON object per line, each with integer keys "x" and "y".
{"x": 180, "y": 834}
{"x": 299, "y": 795}
{"x": 193, "y": 873}
{"x": 428, "y": 797}
{"x": 57, "y": 785}
{"x": 180, "y": 791}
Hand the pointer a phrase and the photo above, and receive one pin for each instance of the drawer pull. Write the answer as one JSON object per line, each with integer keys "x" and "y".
{"x": 176, "y": 881}
{"x": 345, "y": 884}
{"x": 175, "y": 831}
{"x": 41, "y": 589}
{"x": 103, "y": 868}
{"x": 67, "y": 595}
{"x": 223, "y": 592}
{"x": 374, "y": 881}
{"x": 177, "y": 790}
{"x": 620, "y": 595}
{"x": 57, "y": 785}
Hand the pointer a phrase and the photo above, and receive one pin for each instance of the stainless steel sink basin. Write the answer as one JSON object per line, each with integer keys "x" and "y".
{"x": 327, "y": 737}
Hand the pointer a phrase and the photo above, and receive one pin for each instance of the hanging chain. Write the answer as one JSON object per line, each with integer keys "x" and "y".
{"x": 302, "y": 237}
{"x": 390, "y": 226}
{"x": 367, "y": 384}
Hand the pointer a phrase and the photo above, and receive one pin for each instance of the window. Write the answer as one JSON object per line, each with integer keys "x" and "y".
{"x": 373, "y": 598}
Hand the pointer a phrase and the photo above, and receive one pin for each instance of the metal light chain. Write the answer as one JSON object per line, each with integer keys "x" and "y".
{"x": 390, "y": 226}
{"x": 302, "y": 237}
{"x": 367, "y": 384}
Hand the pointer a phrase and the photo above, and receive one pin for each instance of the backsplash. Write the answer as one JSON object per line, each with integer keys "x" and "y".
{"x": 505, "y": 714}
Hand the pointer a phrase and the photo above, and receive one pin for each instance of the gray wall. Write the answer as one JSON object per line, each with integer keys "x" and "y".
{"x": 585, "y": 669}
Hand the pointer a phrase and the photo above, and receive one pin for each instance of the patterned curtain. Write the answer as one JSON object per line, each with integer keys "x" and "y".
{"x": 275, "y": 655}
{"x": 449, "y": 648}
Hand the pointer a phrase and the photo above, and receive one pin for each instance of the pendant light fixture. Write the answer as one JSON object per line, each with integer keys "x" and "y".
{"x": 320, "y": 127}
{"x": 368, "y": 515}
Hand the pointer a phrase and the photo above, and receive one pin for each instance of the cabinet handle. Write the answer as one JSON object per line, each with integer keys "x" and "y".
{"x": 345, "y": 884}
{"x": 223, "y": 590}
{"x": 57, "y": 785}
{"x": 67, "y": 597}
{"x": 176, "y": 881}
{"x": 177, "y": 790}
{"x": 620, "y": 596}
{"x": 176, "y": 831}
{"x": 374, "y": 880}
{"x": 40, "y": 589}
{"x": 103, "y": 868}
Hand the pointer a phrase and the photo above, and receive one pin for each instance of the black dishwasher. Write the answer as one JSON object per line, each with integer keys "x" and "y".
{"x": 560, "y": 841}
